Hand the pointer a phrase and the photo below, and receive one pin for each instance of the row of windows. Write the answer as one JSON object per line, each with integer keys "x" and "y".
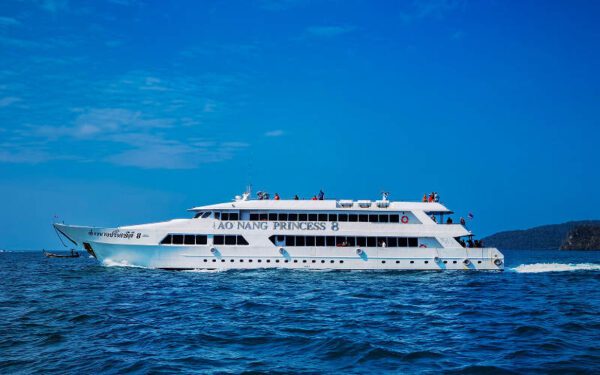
{"x": 363, "y": 218}
{"x": 202, "y": 239}
{"x": 343, "y": 241}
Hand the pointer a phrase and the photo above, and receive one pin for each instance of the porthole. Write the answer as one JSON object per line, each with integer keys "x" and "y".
{"x": 323, "y": 261}
{"x": 205, "y": 260}
{"x": 478, "y": 262}
{"x": 383, "y": 262}
{"x": 314, "y": 261}
{"x": 454, "y": 261}
{"x": 332, "y": 261}
{"x": 276, "y": 260}
{"x": 268, "y": 260}
{"x": 259, "y": 261}
{"x": 341, "y": 261}
{"x": 426, "y": 261}
{"x": 295, "y": 260}
{"x": 249, "y": 260}
{"x": 412, "y": 262}
{"x": 445, "y": 262}
{"x": 285, "y": 261}
{"x": 304, "y": 261}
{"x": 241, "y": 261}
{"x": 397, "y": 262}
{"x": 222, "y": 260}
{"x": 232, "y": 261}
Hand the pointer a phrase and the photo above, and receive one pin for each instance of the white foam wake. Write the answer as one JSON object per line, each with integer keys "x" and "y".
{"x": 556, "y": 267}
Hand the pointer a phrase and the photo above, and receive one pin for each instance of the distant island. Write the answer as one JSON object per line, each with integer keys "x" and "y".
{"x": 573, "y": 235}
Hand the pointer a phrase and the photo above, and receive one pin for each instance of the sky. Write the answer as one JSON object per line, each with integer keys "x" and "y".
{"x": 126, "y": 112}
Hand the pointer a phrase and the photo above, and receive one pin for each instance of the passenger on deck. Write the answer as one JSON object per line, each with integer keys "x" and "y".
{"x": 449, "y": 221}
{"x": 462, "y": 242}
{"x": 433, "y": 218}
{"x": 296, "y": 197}
{"x": 430, "y": 197}
{"x": 276, "y": 196}
{"x": 314, "y": 198}
{"x": 462, "y": 221}
{"x": 321, "y": 195}
{"x": 436, "y": 197}
{"x": 470, "y": 243}
{"x": 382, "y": 244}
{"x": 424, "y": 197}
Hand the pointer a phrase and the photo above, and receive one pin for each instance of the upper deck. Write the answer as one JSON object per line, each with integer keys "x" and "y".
{"x": 325, "y": 205}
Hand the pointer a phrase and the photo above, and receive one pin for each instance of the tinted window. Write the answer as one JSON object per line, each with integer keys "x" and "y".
{"x": 343, "y": 217}
{"x": 392, "y": 242}
{"x": 353, "y": 218}
{"x": 322, "y": 217}
{"x": 320, "y": 241}
{"x": 351, "y": 241}
{"x": 339, "y": 241}
{"x": 384, "y": 218}
{"x": 189, "y": 239}
{"x": 217, "y": 215}
{"x": 302, "y": 217}
{"x": 201, "y": 240}
{"x": 310, "y": 241}
{"x": 283, "y": 217}
{"x": 218, "y": 240}
{"x": 167, "y": 240}
{"x": 225, "y": 216}
{"x": 371, "y": 241}
{"x": 330, "y": 241}
{"x": 312, "y": 217}
{"x": 363, "y": 218}
{"x": 272, "y": 217}
{"x": 413, "y": 242}
{"x": 361, "y": 241}
{"x": 394, "y": 218}
{"x": 289, "y": 240}
{"x": 229, "y": 240}
{"x": 206, "y": 214}
{"x": 234, "y": 216}
{"x": 178, "y": 239}
{"x": 241, "y": 240}
{"x": 300, "y": 241}
{"x": 402, "y": 242}
{"x": 332, "y": 217}
{"x": 381, "y": 241}
{"x": 293, "y": 217}
{"x": 254, "y": 217}
{"x": 263, "y": 217}
{"x": 373, "y": 218}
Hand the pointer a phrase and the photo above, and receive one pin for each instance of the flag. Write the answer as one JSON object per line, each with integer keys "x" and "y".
{"x": 471, "y": 215}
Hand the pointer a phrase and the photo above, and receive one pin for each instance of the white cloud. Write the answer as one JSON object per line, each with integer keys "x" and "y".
{"x": 8, "y": 100}
{"x": 274, "y": 133}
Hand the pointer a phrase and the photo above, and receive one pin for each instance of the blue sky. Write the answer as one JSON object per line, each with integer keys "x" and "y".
{"x": 124, "y": 112}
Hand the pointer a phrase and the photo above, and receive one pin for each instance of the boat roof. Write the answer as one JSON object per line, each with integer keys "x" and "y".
{"x": 324, "y": 205}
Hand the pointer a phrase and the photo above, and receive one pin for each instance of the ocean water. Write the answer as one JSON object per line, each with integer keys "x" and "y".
{"x": 73, "y": 316}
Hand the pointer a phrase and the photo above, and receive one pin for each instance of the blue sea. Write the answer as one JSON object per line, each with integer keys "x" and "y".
{"x": 74, "y": 316}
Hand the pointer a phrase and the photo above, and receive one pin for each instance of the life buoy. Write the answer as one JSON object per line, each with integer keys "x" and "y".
{"x": 404, "y": 219}
{"x": 422, "y": 245}
{"x": 466, "y": 262}
{"x": 213, "y": 250}
{"x": 359, "y": 251}
{"x": 281, "y": 250}
{"x": 498, "y": 262}
{"x": 436, "y": 259}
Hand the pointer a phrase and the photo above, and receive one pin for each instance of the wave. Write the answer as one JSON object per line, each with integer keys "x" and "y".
{"x": 555, "y": 267}
{"x": 122, "y": 263}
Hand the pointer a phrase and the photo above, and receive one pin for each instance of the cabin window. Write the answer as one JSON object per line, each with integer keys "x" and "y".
{"x": 363, "y": 218}
{"x": 234, "y": 216}
{"x": 310, "y": 241}
{"x": 189, "y": 239}
{"x": 253, "y": 217}
{"x": 299, "y": 240}
{"x": 402, "y": 242}
{"x": 384, "y": 218}
{"x": 201, "y": 240}
{"x": 178, "y": 239}
{"x": 343, "y": 217}
{"x": 361, "y": 241}
{"x": 413, "y": 242}
{"x": 218, "y": 240}
{"x": 167, "y": 240}
{"x": 225, "y": 216}
{"x": 241, "y": 240}
{"x": 320, "y": 241}
{"x": 198, "y": 214}
{"x": 322, "y": 217}
{"x": 272, "y": 217}
{"x": 392, "y": 242}
{"x": 289, "y": 240}
{"x": 340, "y": 241}
{"x": 353, "y": 218}
{"x": 283, "y": 217}
{"x": 351, "y": 241}
{"x": 217, "y": 215}
{"x": 293, "y": 217}
{"x": 330, "y": 241}
{"x": 302, "y": 217}
{"x": 206, "y": 214}
{"x": 371, "y": 242}
{"x": 373, "y": 218}
{"x": 312, "y": 217}
{"x": 394, "y": 218}
{"x": 332, "y": 217}
{"x": 263, "y": 217}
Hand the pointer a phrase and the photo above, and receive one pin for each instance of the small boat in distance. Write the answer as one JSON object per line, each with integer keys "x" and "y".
{"x": 74, "y": 254}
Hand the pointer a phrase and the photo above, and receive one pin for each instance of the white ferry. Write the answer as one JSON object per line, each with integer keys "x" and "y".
{"x": 305, "y": 234}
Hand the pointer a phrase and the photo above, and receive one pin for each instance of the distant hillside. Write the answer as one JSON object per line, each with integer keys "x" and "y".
{"x": 545, "y": 237}
{"x": 583, "y": 237}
